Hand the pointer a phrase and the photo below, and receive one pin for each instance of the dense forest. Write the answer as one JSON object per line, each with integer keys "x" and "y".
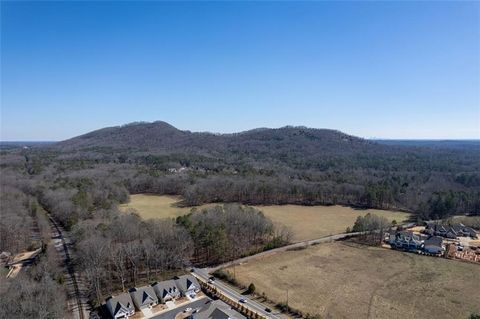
{"x": 273, "y": 166}
{"x": 81, "y": 181}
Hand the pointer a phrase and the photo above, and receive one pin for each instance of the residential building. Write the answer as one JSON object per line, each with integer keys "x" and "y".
{"x": 405, "y": 239}
{"x": 450, "y": 231}
{"x": 120, "y": 306}
{"x": 433, "y": 245}
{"x": 166, "y": 290}
{"x": 144, "y": 297}
{"x": 217, "y": 310}
{"x": 188, "y": 285}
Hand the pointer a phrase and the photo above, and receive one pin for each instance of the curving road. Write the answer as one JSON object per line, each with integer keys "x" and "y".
{"x": 202, "y": 274}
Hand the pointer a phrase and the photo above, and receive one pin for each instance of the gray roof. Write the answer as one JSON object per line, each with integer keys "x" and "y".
{"x": 120, "y": 304}
{"x": 470, "y": 230}
{"x": 143, "y": 296}
{"x": 166, "y": 287}
{"x": 186, "y": 282}
{"x": 455, "y": 229}
{"x": 434, "y": 241}
{"x": 217, "y": 310}
{"x": 408, "y": 234}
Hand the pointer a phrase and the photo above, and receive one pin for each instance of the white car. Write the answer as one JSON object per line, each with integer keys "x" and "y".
{"x": 243, "y": 300}
{"x": 188, "y": 309}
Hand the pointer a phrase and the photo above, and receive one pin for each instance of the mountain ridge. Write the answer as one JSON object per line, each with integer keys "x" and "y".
{"x": 161, "y": 135}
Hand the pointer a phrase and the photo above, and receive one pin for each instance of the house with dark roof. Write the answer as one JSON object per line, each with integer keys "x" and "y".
{"x": 433, "y": 245}
{"x": 217, "y": 310}
{"x": 144, "y": 297}
{"x": 469, "y": 231}
{"x": 405, "y": 239}
{"x": 452, "y": 232}
{"x": 120, "y": 306}
{"x": 187, "y": 284}
{"x": 166, "y": 290}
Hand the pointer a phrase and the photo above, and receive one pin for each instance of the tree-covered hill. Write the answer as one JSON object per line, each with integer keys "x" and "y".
{"x": 262, "y": 166}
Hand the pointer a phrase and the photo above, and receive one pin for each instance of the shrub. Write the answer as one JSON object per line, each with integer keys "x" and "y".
{"x": 251, "y": 288}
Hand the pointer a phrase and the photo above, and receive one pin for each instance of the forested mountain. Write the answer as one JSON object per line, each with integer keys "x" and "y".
{"x": 160, "y": 136}
{"x": 262, "y": 166}
{"x": 285, "y": 165}
{"x": 81, "y": 181}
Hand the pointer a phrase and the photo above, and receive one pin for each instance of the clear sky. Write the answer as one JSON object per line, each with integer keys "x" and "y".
{"x": 371, "y": 69}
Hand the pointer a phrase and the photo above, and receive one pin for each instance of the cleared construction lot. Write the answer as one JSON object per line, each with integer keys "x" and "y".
{"x": 306, "y": 222}
{"x": 346, "y": 280}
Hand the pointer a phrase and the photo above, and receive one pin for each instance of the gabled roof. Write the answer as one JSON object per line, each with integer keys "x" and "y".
{"x": 166, "y": 287}
{"x": 470, "y": 230}
{"x": 456, "y": 230}
{"x": 121, "y": 304}
{"x": 186, "y": 282}
{"x": 217, "y": 310}
{"x": 407, "y": 235}
{"x": 143, "y": 296}
{"x": 434, "y": 241}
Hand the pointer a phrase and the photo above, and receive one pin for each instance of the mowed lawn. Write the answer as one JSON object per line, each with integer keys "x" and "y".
{"x": 310, "y": 222}
{"x": 345, "y": 280}
{"x": 154, "y": 206}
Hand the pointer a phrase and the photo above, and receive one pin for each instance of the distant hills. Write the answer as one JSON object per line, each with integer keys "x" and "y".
{"x": 295, "y": 165}
{"x": 458, "y": 144}
{"x": 17, "y": 144}
{"x": 163, "y": 137}
{"x": 288, "y": 141}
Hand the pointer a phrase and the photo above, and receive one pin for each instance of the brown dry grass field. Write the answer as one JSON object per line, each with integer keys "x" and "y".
{"x": 306, "y": 222}
{"x": 345, "y": 280}
{"x": 310, "y": 222}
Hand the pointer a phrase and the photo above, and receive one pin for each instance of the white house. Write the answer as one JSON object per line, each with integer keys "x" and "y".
{"x": 188, "y": 285}
{"x": 144, "y": 297}
{"x": 120, "y": 306}
{"x": 166, "y": 290}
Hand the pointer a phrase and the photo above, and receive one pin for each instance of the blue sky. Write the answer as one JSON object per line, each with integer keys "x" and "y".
{"x": 372, "y": 69}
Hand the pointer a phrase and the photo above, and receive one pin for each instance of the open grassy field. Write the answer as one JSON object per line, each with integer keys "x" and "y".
{"x": 154, "y": 206}
{"x": 306, "y": 222}
{"x": 310, "y": 222}
{"x": 345, "y": 280}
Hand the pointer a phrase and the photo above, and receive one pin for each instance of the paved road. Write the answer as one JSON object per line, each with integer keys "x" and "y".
{"x": 76, "y": 298}
{"x": 202, "y": 274}
{"x": 283, "y": 248}
{"x": 172, "y": 313}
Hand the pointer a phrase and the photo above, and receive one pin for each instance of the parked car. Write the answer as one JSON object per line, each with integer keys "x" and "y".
{"x": 212, "y": 278}
{"x": 268, "y": 310}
